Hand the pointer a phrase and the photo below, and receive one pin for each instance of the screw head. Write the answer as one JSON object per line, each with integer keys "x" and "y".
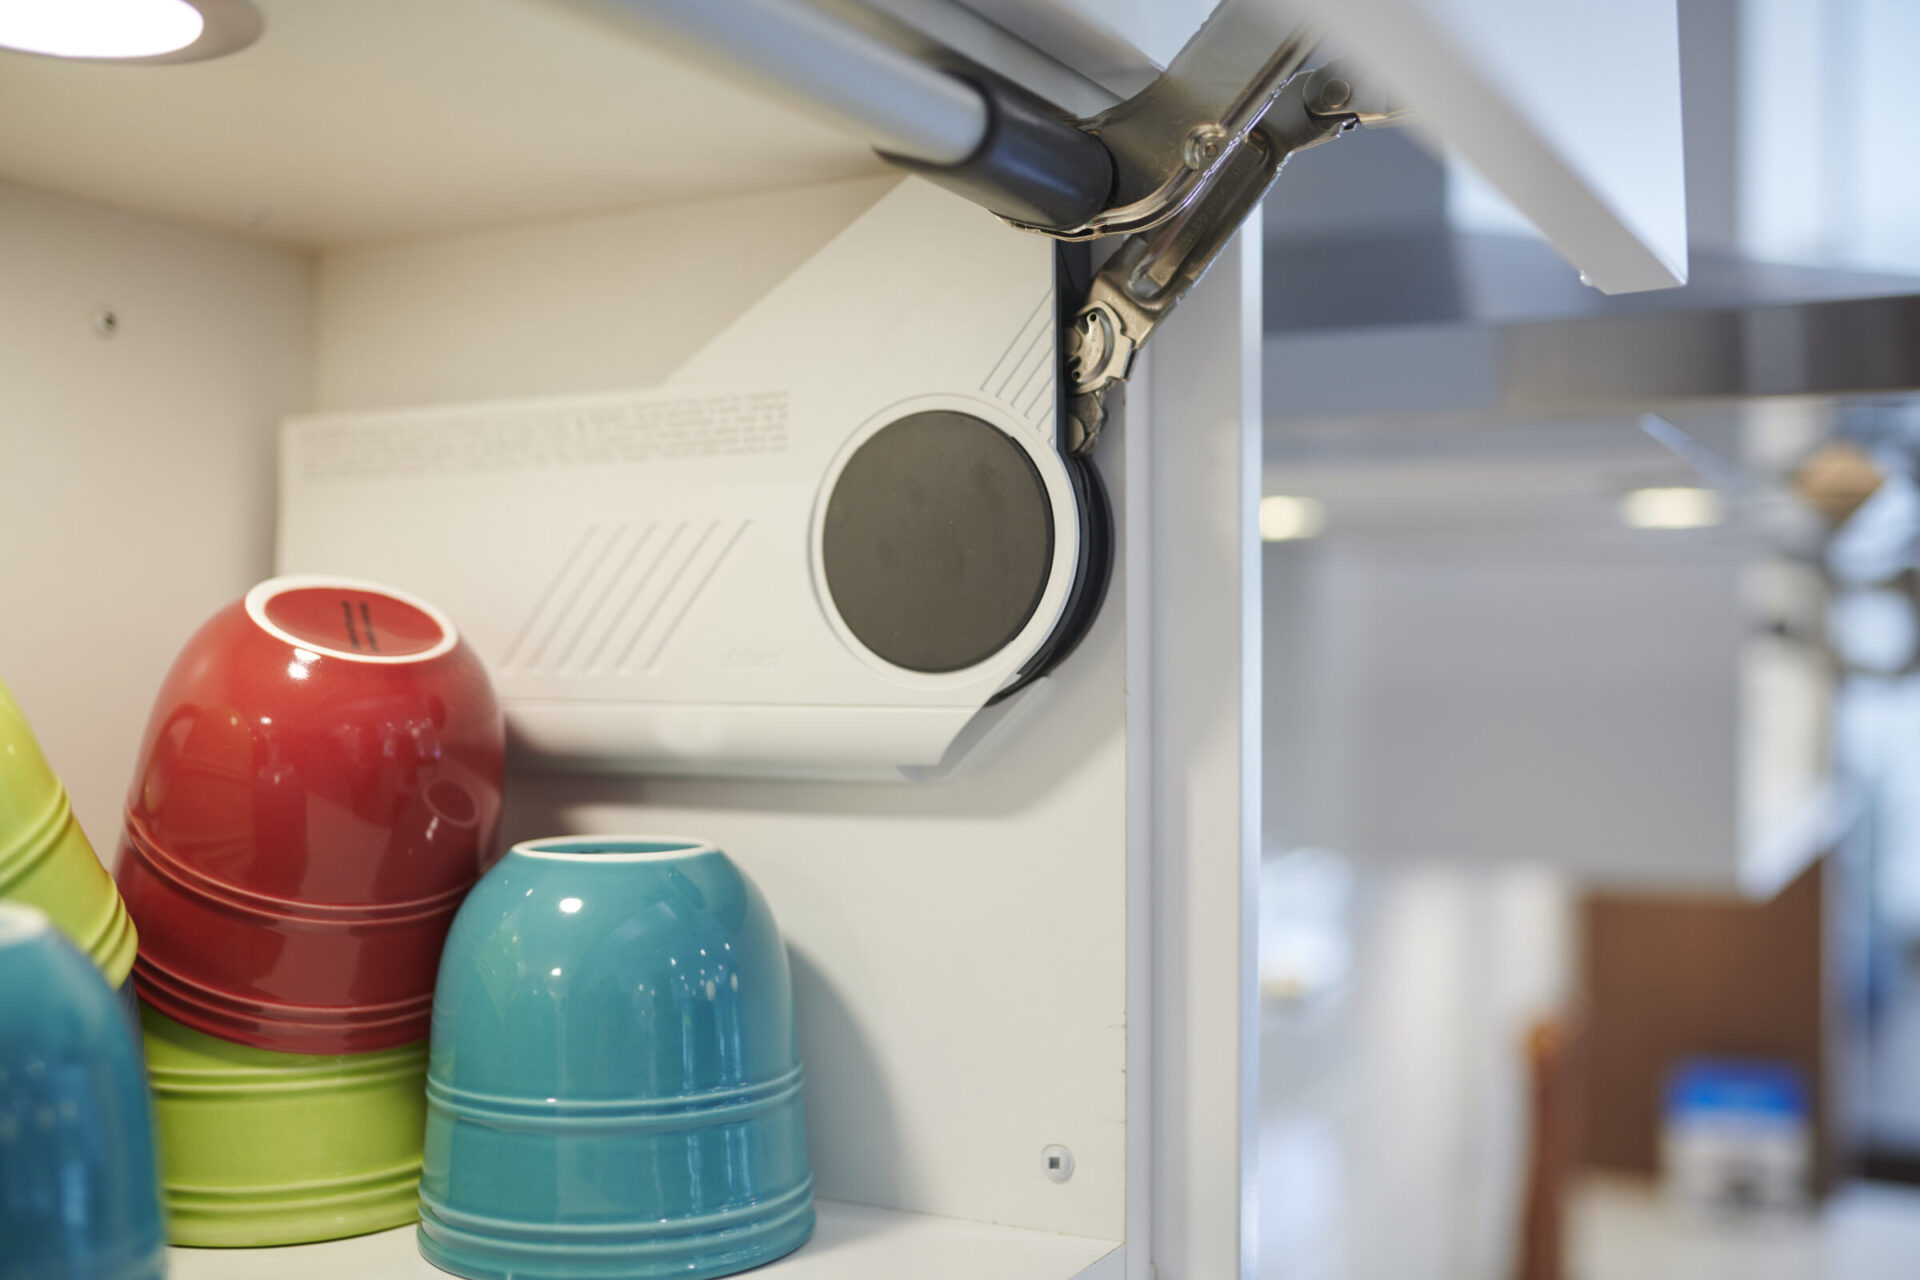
{"x": 105, "y": 321}
{"x": 1203, "y": 146}
{"x": 1056, "y": 1162}
{"x": 1335, "y": 94}
{"x": 1089, "y": 346}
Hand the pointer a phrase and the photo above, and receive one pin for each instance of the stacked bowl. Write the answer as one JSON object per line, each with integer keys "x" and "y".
{"x": 45, "y": 860}
{"x": 615, "y": 1079}
{"x": 77, "y": 1193}
{"x": 276, "y": 1148}
{"x": 317, "y": 790}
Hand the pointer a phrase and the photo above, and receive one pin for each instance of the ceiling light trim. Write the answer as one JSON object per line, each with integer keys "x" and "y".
{"x": 227, "y": 26}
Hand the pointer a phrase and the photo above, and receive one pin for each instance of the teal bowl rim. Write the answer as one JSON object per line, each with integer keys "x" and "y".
{"x": 615, "y": 848}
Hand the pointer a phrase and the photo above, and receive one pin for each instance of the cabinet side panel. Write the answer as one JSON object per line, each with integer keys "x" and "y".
{"x": 137, "y": 464}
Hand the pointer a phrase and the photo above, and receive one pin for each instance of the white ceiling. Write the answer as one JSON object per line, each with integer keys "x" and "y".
{"x": 353, "y": 120}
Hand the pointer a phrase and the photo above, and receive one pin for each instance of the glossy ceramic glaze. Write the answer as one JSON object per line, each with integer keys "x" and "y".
{"x": 615, "y": 1081}
{"x": 78, "y": 1199}
{"x": 45, "y": 860}
{"x": 263, "y": 1148}
{"x": 317, "y": 789}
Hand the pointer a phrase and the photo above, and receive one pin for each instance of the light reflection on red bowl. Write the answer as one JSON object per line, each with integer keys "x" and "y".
{"x": 318, "y": 787}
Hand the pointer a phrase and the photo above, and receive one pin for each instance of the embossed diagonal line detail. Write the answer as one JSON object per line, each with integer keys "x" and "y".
{"x": 679, "y": 571}
{"x": 649, "y": 569}
{"x": 577, "y": 595}
{"x": 699, "y": 588}
{"x": 1041, "y": 401}
{"x": 1038, "y": 366}
{"x": 1021, "y": 343}
{"x": 604, "y": 593}
{"x": 1021, "y": 372}
{"x": 546, "y": 595}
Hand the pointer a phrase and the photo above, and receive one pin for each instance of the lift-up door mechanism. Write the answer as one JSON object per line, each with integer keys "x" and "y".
{"x": 1193, "y": 153}
{"x": 1176, "y": 168}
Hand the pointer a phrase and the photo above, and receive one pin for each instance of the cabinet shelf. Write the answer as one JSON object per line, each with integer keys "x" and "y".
{"x": 851, "y": 1242}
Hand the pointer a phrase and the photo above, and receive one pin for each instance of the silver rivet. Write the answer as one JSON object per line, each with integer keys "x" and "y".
{"x": 1057, "y": 1163}
{"x": 105, "y": 321}
{"x": 1203, "y": 146}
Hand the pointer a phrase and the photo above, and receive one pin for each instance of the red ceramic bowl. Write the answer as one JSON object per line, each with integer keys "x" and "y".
{"x": 318, "y": 788}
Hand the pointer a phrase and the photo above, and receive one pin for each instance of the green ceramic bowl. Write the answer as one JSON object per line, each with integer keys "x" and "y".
{"x": 45, "y": 860}
{"x": 264, "y": 1148}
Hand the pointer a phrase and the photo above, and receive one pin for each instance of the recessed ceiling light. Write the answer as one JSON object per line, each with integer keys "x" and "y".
{"x": 1284, "y": 518}
{"x": 128, "y": 30}
{"x": 1672, "y": 509}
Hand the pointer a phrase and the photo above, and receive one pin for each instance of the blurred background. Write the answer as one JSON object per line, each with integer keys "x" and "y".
{"x": 1591, "y": 893}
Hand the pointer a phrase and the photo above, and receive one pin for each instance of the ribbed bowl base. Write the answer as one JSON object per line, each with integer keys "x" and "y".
{"x": 467, "y": 1253}
{"x": 222, "y": 1221}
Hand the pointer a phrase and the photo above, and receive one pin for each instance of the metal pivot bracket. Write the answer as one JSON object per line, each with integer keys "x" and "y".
{"x": 1177, "y": 167}
{"x": 1194, "y": 153}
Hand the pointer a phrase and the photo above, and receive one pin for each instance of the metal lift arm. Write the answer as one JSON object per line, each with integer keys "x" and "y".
{"x": 1176, "y": 168}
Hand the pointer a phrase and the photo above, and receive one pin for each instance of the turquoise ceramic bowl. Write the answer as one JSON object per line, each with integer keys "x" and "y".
{"x": 79, "y": 1188}
{"x": 614, "y": 1086}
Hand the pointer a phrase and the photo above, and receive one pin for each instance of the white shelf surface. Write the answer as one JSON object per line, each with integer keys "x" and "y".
{"x": 850, "y": 1242}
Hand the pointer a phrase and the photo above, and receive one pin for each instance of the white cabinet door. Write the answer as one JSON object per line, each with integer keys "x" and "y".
{"x": 1571, "y": 109}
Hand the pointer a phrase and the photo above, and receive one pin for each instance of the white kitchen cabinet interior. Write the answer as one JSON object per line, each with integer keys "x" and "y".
{"x": 387, "y": 204}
